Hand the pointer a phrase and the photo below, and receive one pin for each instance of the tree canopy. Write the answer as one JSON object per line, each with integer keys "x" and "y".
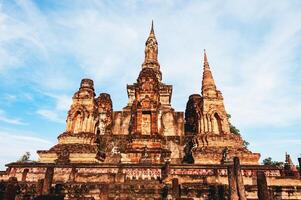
{"x": 236, "y": 131}
{"x": 268, "y": 161}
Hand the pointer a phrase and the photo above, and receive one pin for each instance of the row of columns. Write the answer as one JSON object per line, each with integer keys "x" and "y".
{"x": 236, "y": 189}
{"x": 207, "y": 124}
{"x": 81, "y": 124}
{"x": 236, "y": 185}
{"x": 10, "y": 191}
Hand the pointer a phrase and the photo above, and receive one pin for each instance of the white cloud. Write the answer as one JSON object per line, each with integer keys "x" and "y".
{"x": 50, "y": 115}
{"x": 265, "y": 94}
{"x": 108, "y": 47}
{"x": 27, "y": 96}
{"x": 62, "y": 101}
{"x": 6, "y": 119}
{"x": 252, "y": 49}
{"x": 279, "y": 142}
{"x": 13, "y": 145}
{"x": 10, "y": 98}
{"x": 59, "y": 112}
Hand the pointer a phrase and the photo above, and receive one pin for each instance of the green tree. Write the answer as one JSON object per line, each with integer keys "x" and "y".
{"x": 25, "y": 157}
{"x": 236, "y": 131}
{"x": 269, "y": 162}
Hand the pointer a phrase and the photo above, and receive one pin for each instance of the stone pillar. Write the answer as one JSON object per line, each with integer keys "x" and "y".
{"x": 262, "y": 186}
{"x": 84, "y": 127}
{"x": 154, "y": 125}
{"x": 104, "y": 191}
{"x": 239, "y": 179}
{"x": 2, "y": 189}
{"x": 72, "y": 174}
{"x": 159, "y": 122}
{"x": 299, "y": 159}
{"x": 48, "y": 180}
{"x": 175, "y": 188}
{"x": 12, "y": 172}
{"x": 165, "y": 170}
{"x": 205, "y": 124}
{"x": 68, "y": 124}
{"x": 212, "y": 123}
{"x": 90, "y": 125}
{"x": 164, "y": 192}
{"x": 221, "y": 192}
{"x": 11, "y": 189}
{"x": 232, "y": 194}
{"x": 213, "y": 192}
{"x": 40, "y": 187}
{"x": 209, "y": 124}
{"x": 24, "y": 174}
{"x": 199, "y": 125}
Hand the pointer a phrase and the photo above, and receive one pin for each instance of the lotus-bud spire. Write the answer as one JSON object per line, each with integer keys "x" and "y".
{"x": 208, "y": 84}
{"x": 151, "y": 49}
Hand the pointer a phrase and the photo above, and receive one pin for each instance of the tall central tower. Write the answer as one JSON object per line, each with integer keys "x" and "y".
{"x": 152, "y": 117}
{"x": 146, "y": 104}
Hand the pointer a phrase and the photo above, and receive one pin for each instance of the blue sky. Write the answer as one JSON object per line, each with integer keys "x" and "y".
{"x": 47, "y": 47}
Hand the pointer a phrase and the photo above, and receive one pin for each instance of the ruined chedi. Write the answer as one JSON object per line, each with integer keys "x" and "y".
{"x": 147, "y": 150}
{"x": 148, "y": 120}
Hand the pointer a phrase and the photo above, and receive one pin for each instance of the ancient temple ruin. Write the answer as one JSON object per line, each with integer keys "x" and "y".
{"x": 148, "y": 150}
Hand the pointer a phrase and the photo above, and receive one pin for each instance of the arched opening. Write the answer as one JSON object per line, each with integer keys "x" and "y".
{"x": 58, "y": 189}
{"x": 217, "y": 124}
{"x": 146, "y": 123}
{"x": 77, "y": 122}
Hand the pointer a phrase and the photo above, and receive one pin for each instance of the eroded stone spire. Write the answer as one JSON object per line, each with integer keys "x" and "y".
{"x": 151, "y": 50}
{"x": 208, "y": 84}
{"x": 205, "y": 58}
{"x": 152, "y": 32}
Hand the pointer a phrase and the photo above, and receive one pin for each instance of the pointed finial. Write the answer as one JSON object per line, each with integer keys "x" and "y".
{"x": 152, "y": 32}
{"x": 205, "y": 57}
{"x": 152, "y": 28}
{"x": 206, "y": 64}
{"x": 151, "y": 49}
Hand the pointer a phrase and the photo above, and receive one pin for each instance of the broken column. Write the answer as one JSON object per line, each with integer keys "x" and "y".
{"x": 165, "y": 170}
{"x": 262, "y": 186}
{"x": 39, "y": 189}
{"x": 24, "y": 174}
{"x": 48, "y": 180}
{"x": 175, "y": 188}
{"x": 232, "y": 194}
{"x": 221, "y": 192}
{"x": 72, "y": 174}
{"x": 299, "y": 160}
{"x": 11, "y": 189}
{"x": 2, "y": 189}
{"x": 213, "y": 192}
{"x": 239, "y": 179}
